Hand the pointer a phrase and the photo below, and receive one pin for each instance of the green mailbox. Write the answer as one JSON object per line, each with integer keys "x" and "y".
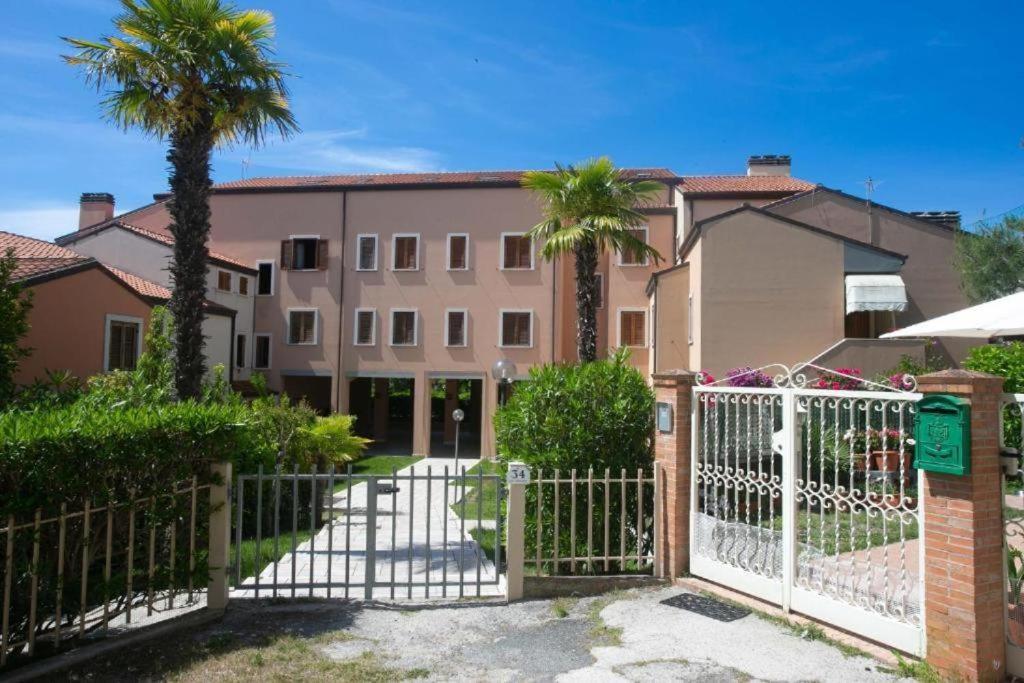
{"x": 943, "y": 434}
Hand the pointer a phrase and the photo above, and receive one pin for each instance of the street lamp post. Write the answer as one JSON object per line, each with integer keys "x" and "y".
{"x": 458, "y": 416}
{"x": 503, "y": 371}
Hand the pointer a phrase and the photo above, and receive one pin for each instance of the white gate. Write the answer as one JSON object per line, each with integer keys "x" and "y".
{"x": 804, "y": 495}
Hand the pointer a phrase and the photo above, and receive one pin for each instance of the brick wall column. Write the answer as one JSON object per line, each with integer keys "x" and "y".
{"x": 672, "y": 454}
{"x": 963, "y": 543}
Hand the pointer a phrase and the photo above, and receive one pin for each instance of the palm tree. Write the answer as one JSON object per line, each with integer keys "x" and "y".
{"x": 198, "y": 73}
{"x": 589, "y": 208}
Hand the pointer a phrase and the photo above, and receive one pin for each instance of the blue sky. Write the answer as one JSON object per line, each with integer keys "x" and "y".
{"x": 926, "y": 99}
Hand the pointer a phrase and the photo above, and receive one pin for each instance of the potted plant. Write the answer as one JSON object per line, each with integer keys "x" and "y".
{"x": 858, "y": 443}
{"x": 887, "y": 446}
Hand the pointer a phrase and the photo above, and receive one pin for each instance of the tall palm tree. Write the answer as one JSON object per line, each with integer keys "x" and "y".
{"x": 588, "y": 209}
{"x": 198, "y": 73}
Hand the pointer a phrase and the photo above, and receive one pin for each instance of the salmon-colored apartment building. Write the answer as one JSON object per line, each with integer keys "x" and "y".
{"x": 391, "y": 296}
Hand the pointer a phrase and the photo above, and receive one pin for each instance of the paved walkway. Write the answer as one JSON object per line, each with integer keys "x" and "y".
{"x": 421, "y": 550}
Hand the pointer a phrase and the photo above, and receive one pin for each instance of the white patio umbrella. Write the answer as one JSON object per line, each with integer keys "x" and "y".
{"x": 1000, "y": 318}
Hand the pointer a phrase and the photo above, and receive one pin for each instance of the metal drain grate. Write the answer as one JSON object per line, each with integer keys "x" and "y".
{"x": 705, "y": 606}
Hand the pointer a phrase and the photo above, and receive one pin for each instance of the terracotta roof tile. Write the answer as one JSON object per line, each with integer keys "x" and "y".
{"x": 458, "y": 178}
{"x": 35, "y": 257}
{"x": 140, "y": 286}
{"x": 743, "y": 184}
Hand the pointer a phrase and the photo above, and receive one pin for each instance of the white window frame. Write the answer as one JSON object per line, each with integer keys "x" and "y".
{"x": 376, "y": 251}
{"x": 646, "y": 261}
{"x": 394, "y": 251}
{"x": 415, "y": 327}
{"x": 316, "y": 254}
{"x": 114, "y": 317}
{"x": 501, "y": 254}
{"x": 316, "y": 326}
{"x": 465, "y": 327}
{"x": 501, "y": 328}
{"x": 373, "y": 328}
{"x": 273, "y": 276}
{"x": 270, "y": 349}
{"x": 600, "y": 288}
{"x": 448, "y": 252}
{"x": 618, "y": 325}
{"x": 243, "y": 364}
{"x": 231, "y": 280}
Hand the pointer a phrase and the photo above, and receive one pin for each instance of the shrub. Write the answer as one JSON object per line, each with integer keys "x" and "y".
{"x": 748, "y": 377}
{"x": 332, "y": 441}
{"x": 574, "y": 417}
{"x": 840, "y": 379}
{"x": 1007, "y": 361}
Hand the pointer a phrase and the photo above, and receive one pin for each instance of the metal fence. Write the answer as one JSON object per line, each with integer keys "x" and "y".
{"x": 421, "y": 533}
{"x": 586, "y": 525}
{"x": 1013, "y": 521}
{"x": 76, "y": 572}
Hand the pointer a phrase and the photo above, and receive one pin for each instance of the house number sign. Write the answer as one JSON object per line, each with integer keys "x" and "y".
{"x": 664, "y": 414}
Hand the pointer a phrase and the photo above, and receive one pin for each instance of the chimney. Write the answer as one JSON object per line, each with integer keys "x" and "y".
{"x": 948, "y": 219}
{"x": 95, "y": 207}
{"x": 768, "y": 164}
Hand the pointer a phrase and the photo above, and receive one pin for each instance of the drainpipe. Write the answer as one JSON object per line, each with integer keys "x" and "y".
{"x": 340, "y": 375}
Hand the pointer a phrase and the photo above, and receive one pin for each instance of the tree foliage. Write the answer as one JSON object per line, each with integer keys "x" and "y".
{"x": 991, "y": 261}
{"x": 588, "y": 209}
{"x": 15, "y": 305}
{"x": 198, "y": 73}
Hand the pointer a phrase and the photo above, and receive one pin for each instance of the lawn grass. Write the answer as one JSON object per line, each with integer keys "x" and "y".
{"x": 251, "y": 563}
{"x": 864, "y": 536}
{"x": 376, "y": 465}
{"x": 485, "y": 539}
{"x": 486, "y": 496}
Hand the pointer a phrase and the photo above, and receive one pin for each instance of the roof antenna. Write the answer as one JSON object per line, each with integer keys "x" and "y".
{"x": 245, "y": 166}
{"x": 869, "y": 189}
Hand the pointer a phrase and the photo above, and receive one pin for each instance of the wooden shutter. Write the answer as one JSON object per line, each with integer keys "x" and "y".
{"x": 321, "y": 255}
{"x": 286, "y": 254}
{"x": 507, "y": 328}
{"x": 524, "y": 252}
{"x": 456, "y": 328}
{"x": 114, "y": 350}
{"x": 364, "y": 333}
{"x": 367, "y": 253}
{"x": 457, "y": 252}
{"x": 632, "y": 325}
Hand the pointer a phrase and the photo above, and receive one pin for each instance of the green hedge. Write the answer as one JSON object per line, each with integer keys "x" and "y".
{"x": 1007, "y": 361}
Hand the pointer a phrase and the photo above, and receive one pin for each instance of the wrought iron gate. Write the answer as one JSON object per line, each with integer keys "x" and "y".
{"x": 804, "y": 494}
{"x": 420, "y": 533}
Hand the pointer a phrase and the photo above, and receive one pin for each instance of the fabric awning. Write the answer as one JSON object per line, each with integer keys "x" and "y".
{"x": 875, "y": 293}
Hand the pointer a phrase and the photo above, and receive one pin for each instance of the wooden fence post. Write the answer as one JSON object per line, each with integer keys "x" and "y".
{"x": 515, "y": 523}
{"x": 220, "y": 537}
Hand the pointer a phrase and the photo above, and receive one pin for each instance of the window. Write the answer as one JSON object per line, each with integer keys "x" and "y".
{"x": 405, "y": 252}
{"x": 628, "y": 258}
{"x": 223, "y": 280}
{"x": 458, "y": 251}
{"x": 366, "y": 252}
{"x": 516, "y": 328}
{"x": 123, "y": 342}
{"x": 261, "y": 352}
{"x": 240, "y": 351}
{"x": 516, "y": 251}
{"x": 403, "y": 327}
{"x": 265, "y": 278}
{"x": 366, "y": 327}
{"x": 302, "y": 326}
{"x": 243, "y": 285}
{"x": 455, "y": 327}
{"x": 304, "y": 252}
{"x": 600, "y": 290}
{"x": 632, "y": 327}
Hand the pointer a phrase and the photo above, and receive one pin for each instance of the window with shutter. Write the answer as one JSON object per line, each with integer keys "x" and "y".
{"x": 365, "y": 334}
{"x": 321, "y": 254}
{"x": 632, "y": 328}
{"x": 516, "y": 328}
{"x": 122, "y": 344}
{"x": 243, "y": 285}
{"x": 458, "y": 252}
{"x": 631, "y": 258}
{"x": 305, "y": 253}
{"x": 240, "y": 351}
{"x": 223, "y": 280}
{"x": 403, "y": 328}
{"x": 455, "y": 332}
{"x": 302, "y": 326}
{"x": 517, "y": 252}
{"x": 286, "y": 254}
{"x": 406, "y": 248}
{"x": 261, "y": 352}
{"x": 367, "y": 252}
{"x": 265, "y": 278}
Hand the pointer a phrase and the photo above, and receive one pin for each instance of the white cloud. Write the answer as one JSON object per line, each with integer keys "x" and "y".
{"x": 336, "y": 151}
{"x": 43, "y": 221}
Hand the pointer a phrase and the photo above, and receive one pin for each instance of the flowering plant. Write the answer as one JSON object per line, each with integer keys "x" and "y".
{"x": 841, "y": 378}
{"x": 705, "y": 377}
{"x": 748, "y": 377}
{"x": 874, "y": 439}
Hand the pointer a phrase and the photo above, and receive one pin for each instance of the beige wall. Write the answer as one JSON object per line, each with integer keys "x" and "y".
{"x": 671, "y": 299}
{"x": 695, "y": 209}
{"x": 933, "y": 285}
{"x": 68, "y": 323}
{"x": 871, "y": 356}
{"x": 772, "y": 293}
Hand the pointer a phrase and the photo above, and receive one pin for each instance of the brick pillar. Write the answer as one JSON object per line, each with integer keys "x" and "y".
{"x": 963, "y": 545}
{"x": 672, "y": 453}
